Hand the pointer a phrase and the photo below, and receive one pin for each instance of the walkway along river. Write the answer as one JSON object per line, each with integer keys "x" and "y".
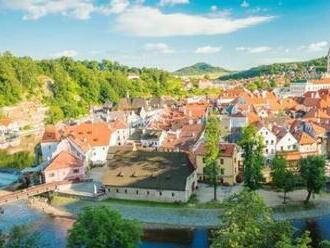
{"x": 53, "y": 230}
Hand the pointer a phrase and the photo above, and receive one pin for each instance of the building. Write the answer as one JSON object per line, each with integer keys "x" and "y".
{"x": 151, "y": 176}
{"x": 269, "y": 141}
{"x": 300, "y": 87}
{"x": 49, "y": 142}
{"x": 230, "y": 163}
{"x": 64, "y": 166}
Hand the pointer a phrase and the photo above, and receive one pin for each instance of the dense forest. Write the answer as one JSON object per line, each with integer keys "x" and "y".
{"x": 69, "y": 87}
{"x": 294, "y": 70}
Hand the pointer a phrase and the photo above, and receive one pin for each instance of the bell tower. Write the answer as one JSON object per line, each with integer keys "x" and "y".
{"x": 328, "y": 65}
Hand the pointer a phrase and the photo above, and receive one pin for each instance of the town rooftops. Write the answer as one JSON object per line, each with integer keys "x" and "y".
{"x": 225, "y": 149}
{"x": 5, "y": 121}
{"x": 148, "y": 170}
{"x": 50, "y": 135}
{"x": 64, "y": 160}
{"x": 88, "y": 135}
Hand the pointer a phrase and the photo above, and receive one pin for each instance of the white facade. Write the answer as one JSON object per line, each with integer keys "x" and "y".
{"x": 270, "y": 141}
{"x": 154, "y": 143}
{"x": 155, "y": 194}
{"x": 119, "y": 137}
{"x": 300, "y": 88}
{"x": 287, "y": 143}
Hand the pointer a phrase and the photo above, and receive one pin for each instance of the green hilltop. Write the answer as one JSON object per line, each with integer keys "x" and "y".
{"x": 295, "y": 70}
{"x": 201, "y": 69}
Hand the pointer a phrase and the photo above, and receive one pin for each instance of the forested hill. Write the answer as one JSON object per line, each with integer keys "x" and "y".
{"x": 296, "y": 70}
{"x": 201, "y": 69}
{"x": 69, "y": 87}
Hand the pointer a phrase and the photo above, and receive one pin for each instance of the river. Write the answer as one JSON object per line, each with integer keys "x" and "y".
{"x": 53, "y": 230}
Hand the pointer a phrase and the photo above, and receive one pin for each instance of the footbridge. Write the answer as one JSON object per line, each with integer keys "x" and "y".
{"x": 29, "y": 192}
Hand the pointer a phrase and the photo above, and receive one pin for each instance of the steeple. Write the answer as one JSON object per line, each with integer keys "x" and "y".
{"x": 328, "y": 66}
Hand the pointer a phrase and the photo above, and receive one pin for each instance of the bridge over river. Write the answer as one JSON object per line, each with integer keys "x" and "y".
{"x": 29, "y": 192}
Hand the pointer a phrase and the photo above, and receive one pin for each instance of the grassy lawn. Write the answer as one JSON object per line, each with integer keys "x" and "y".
{"x": 62, "y": 201}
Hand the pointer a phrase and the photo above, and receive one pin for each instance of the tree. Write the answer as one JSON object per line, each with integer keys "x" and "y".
{"x": 252, "y": 146}
{"x": 282, "y": 178}
{"x": 98, "y": 227}
{"x": 212, "y": 138}
{"x": 20, "y": 237}
{"x": 312, "y": 171}
{"x": 248, "y": 223}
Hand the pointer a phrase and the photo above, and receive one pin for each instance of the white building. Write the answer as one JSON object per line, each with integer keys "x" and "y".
{"x": 270, "y": 141}
{"x": 286, "y": 142}
{"x": 300, "y": 87}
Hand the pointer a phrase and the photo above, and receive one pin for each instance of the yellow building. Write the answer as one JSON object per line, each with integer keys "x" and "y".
{"x": 230, "y": 163}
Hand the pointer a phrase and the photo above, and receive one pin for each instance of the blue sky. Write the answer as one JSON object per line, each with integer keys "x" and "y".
{"x": 169, "y": 34}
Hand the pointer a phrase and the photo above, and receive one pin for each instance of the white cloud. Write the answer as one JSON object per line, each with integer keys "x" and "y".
{"x": 173, "y": 2}
{"x": 214, "y": 8}
{"x": 208, "y": 50}
{"x": 148, "y": 21}
{"x": 317, "y": 47}
{"x": 65, "y": 53}
{"x": 245, "y": 4}
{"x": 158, "y": 48}
{"x": 260, "y": 49}
{"x": 78, "y": 9}
{"x": 115, "y": 6}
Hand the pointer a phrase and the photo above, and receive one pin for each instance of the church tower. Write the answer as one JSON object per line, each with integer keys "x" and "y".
{"x": 328, "y": 66}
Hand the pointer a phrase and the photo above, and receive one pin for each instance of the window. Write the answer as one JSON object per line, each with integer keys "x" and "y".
{"x": 51, "y": 174}
{"x": 222, "y": 171}
{"x": 266, "y": 150}
{"x": 204, "y": 160}
{"x": 137, "y": 192}
{"x": 117, "y": 190}
{"x": 125, "y": 191}
{"x": 173, "y": 194}
{"x": 76, "y": 171}
{"x": 266, "y": 142}
{"x": 272, "y": 142}
{"x": 221, "y": 161}
{"x": 281, "y": 148}
{"x": 160, "y": 193}
{"x": 148, "y": 193}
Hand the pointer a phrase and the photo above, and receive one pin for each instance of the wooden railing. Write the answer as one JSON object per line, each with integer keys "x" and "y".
{"x": 31, "y": 191}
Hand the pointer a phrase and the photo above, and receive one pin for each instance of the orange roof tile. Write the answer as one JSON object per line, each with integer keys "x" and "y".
{"x": 64, "y": 160}
{"x": 51, "y": 134}
{"x": 5, "y": 121}
{"x": 88, "y": 135}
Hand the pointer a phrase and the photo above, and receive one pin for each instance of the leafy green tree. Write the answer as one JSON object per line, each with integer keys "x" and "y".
{"x": 212, "y": 138}
{"x": 20, "y": 237}
{"x": 247, "y": 223}
{"x": 312, "y": 171}
{"x": 325, "y": 244}
{"x": 282, "y": 177}
{"x": 252, "y": 146}
{"x": 98, "y": 227}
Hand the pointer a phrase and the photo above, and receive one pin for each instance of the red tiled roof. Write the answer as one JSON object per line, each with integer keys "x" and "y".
{"x": 64, "y": 160}
{"x": 88, "y": 135}
{"x": 226, "y": 149}
{"x": 50, "y": 135}
{"x": 5, "y": 121}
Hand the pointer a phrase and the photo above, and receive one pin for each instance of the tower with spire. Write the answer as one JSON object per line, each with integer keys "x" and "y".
{"x": 328, "y": 65}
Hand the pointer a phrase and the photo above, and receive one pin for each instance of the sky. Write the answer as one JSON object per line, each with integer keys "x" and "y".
{"x": 168, "y": 34}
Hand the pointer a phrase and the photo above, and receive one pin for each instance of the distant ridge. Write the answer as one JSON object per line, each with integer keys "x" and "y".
{"x": 201, "y": 69}
{"x": 295, "y": 70}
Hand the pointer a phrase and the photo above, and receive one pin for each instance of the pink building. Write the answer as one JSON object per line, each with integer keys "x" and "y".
{"x": 65, "y": 166}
